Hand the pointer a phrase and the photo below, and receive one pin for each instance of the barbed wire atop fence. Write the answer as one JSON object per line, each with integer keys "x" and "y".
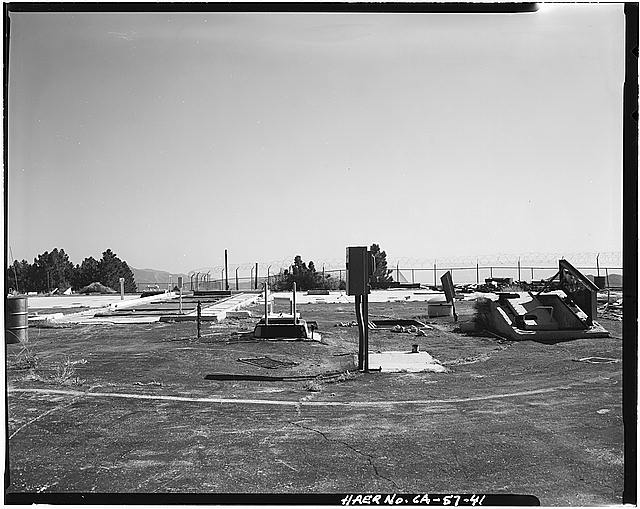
{"x": 585, "y": 259}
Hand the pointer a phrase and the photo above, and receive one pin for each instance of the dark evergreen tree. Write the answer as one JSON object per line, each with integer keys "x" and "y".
{"x": 50, "y": 271}
{"x": 18, "y": 277}
{"x": 305, "y": 278}
{"x": 381, "y": 276}
{"x": 111, "y": 269}
{"x": 86, "y": 273}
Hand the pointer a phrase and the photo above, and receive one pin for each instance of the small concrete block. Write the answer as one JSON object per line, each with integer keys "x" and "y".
{"x": 239, "y": 314}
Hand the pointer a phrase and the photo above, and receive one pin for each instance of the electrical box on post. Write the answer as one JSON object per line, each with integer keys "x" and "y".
{"x": 358, "y": 271}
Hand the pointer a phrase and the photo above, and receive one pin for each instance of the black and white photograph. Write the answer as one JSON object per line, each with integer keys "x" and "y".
{"x": 336, "y": 254}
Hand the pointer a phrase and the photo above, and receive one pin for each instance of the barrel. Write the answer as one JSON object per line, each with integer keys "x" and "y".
{"x": 16, "y": 320}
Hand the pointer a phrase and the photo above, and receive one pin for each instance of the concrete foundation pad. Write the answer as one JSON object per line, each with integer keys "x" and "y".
{"x": 396, "y": 362}
{"x": 316, "y": 337}
{"x": 239, "y": 314}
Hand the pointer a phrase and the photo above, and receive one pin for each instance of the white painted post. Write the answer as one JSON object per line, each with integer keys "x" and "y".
{"x": 121, "y": 288}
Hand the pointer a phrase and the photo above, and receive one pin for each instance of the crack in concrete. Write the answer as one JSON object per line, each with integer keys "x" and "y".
{"x": 369, "y": 457}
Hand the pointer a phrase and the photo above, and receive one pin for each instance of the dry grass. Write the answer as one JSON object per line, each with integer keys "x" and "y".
{"x": 482, "y": 316}
{"x": 26, "y": 358}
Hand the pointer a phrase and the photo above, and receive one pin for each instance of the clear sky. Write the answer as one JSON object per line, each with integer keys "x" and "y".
{"x": 168, "y": 137}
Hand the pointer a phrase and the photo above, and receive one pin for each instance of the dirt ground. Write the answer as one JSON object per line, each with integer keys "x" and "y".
{"x": 127, "y": 409}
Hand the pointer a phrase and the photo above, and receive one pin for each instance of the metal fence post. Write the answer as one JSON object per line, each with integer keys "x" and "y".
{"x": 519, "y": 278}
{"x": 434, "y": 274}
{"x": 199, "y": 317}
{"x": 226, "y": 271}
{"x": 477, "y": 272}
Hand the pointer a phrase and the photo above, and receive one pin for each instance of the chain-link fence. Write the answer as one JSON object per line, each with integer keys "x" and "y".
{"x": 526, "y": 267}
{"x": 479, "y": 273}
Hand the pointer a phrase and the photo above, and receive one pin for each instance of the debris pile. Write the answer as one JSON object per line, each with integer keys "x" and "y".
{"x": 612, "y": 311}
{"x": 352, "y": 323}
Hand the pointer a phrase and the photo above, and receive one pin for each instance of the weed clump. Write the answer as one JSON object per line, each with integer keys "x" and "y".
{"x": 314, "y": 385}
{"x": 26, "y": 358}
{"x": 318, "y": 383}
{"x": 482, "y": 316}
{"x": 64, "y": 372}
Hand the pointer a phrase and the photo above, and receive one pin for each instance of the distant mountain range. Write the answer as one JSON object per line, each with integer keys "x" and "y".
{"x": 615, "y": 280}
{"x": 146, "y": 277}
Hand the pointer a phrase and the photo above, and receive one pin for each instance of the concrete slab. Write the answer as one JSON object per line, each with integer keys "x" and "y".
{"x": 115, "y": 319}
{"x": 219, "y": 310}
{"x": 71, "y": 301}
{"x": 340, "y": 297}
{"x": 127, "y": 304}
{"x": 397, "y": 362}
{"x": 239, "y": 314}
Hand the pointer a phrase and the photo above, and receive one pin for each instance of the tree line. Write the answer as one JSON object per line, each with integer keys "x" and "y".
{"x": 51, "y": 270}
{"x": 306, "y": 277}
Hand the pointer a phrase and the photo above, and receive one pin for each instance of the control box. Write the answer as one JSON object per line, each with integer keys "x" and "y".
{"x": 360, "y": 268}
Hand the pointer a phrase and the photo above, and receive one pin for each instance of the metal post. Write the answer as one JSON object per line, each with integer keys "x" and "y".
{"x": 251, "y": 279}
{"x": 434, "y": 275}
{"x": 413, "y": 279}
{"x": 237, "y": 277}
{"x": 295, "y": 314}
{"x": 365, "y": 320}
{"x": 398, "y": 272}
{"x": 532, "y": 274}
{"x": 519, "y": 278}
{"x": 491, "y": 272}
{"x": 199, "y": 311}
{"x": 256, "y": 285}
{"x": 323, "y": 275}
{"x": 266, "y": 305}
{"x": 269, "y": 276}
{"x": 226, "y": 271}
{"x": 358, "y": 299}
{"x": 606, "y": 275}
{"x": 598, "y": 263}
{"x": 477, "y": 272}
{"x": 121, "y": 288}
